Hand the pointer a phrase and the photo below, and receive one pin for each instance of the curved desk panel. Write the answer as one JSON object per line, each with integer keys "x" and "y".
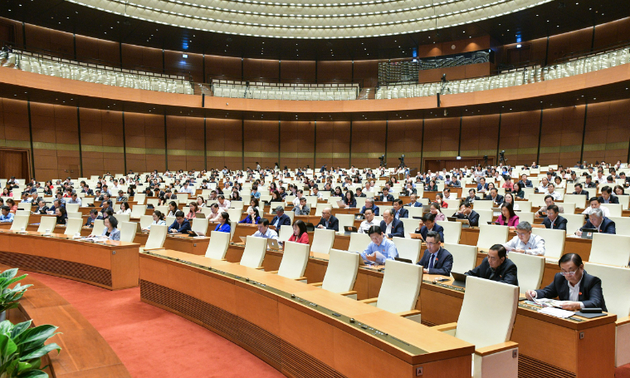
{"x": 299, "y": 329}
{"x": 84, "y": 351}
{"x": 111, "y": 264}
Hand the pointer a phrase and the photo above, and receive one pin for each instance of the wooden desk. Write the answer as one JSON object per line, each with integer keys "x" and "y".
{"x": 111, "y": 264}
{"x": 548, "y": 346}
{"x": 179, "y": 242}
{"x": 307, "y": 334}
{"x": 84, "y": 351}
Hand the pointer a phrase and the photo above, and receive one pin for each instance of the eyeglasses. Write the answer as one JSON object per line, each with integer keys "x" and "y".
{"x": 570, "y": 273}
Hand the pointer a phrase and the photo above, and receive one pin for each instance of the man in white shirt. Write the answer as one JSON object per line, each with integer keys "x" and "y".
{"x": 186, "y": 189}
{"x": 264, "y": 231}
{"x": 525, "y": 241}
{"x": 544, "y": 183}
{"x": 223, "y": 203}
{"x": 368, "y": 222}
{"x": 595, "y": 203}
{"x": 551, "y": 191}
{"x": 298, "y": 195}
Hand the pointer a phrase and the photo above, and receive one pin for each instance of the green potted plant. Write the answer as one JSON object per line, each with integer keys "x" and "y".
{"x": 22, "y": 349}
{"x": 9, "y": 297}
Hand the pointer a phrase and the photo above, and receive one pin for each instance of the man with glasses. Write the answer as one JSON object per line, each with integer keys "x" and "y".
{"x": 436, "y": 260}
{"x": 496, "y": 267}
{"x": 525, "y": 241}
{"x": 576, "y": 288}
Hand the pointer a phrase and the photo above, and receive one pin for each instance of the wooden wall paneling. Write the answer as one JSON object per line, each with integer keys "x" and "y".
{"x": 43, "y": 120}
{"x": 14, "y": 124}
{"x": 261, "y": 143}
{"x": 297, "y": 143}
{"x": 479, "y": 136}
{"x": 366, "y": 72}
{"x": 561, "y": 140}
{"x": 223, "y": 67}
{"x": 144, "y": 135}
{"x": 298, "y": 71}
{"x": 519, "y": 136}
{"x": 224, "y": 143}
{"x": 333, "y": 143}
{"x": 191, "y": 67}
{"x": 141, "y": 58}
{"x": 607, "y": 131}
{"x": 67, "y": 141}
{"x": 334, "y": 71}
{"x": 266, "y": 70}
{"x": 113, "y": 144}
{"x": 194, "y": 143}
{"x": 405, "y": 137}
{"x": 49, "y": 41}
{"x": 612, "y": 33}
{"x": 176, "y": 131}
{"x": 368, "y": 142}
{"x": 98, "y": 51}
{"x": 562, "y": 45}
{"x": 11, "y": 30}
{"x": 441, "y": 137}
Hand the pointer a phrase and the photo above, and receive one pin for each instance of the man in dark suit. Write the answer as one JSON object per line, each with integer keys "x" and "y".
{"x": 428, "y": 224}
{"x": 524, "y": 182}
{"x": 181, "y": 224}
{"x": 579, "y": 190}
{"x": 573, "y": 285}
{"x": 399, "y": 211}
{"x": 607, "y": 195}
{"x": 328, "y": 221}
{"x": 494, "y": 196}
{"x": 369, "y": 204}
{"x": 600, "y": 222}
{"x": 391, "y": 226}
{"x": 496, "y": 267}
{"x": 386, "y": 197}
{"x": 436, "y": 260}
{"x": 472, "y": 197}
{"x": 553, "y": 220}
{"x": 281, "y": 219}
{"x": 466, "y": 212}
{"x": 41, "y": 207}
{"x": 414, "y": 201}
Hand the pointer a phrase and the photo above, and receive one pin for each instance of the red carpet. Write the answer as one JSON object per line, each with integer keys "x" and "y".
{"x": 152, "y": 342}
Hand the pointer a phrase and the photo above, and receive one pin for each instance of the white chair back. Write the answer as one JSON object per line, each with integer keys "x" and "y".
{"x": 485, "y": 216}
{"x": 554, "y": 241}
{"x": 345, "y": 220}
{"x": 408, "y": 248}
{"x": 538, "y": 199}
{"x": 525, "y": 217}
{"x": 294, "y": 260}
{"x": 491, "y": 234}
{"x": 615, "y": 209}
{"x": 530, "y": 270}
{"x": 482, "y": 205}
{"x": 122, "y": 217}
{"x": 452, "y": 232}
{"x": 99, "y": 226}
{"x": 138, "y": 211}
{"x": 622, "y": 225}
{"x": 610, "y": 249}
{"x": 578, "y": 199}
{"x": 127, "y": 231}
{"x": 320, "y": 207}
{"x": 200, "y": 226}
{"x": 73, "y": 226}
{"x": 615, "y": 284}
{"x": 146, "y": 220}
{"x": 285, "y": 233}
{"x": 20, "y": 222}
{"x": 401, "y": 287}
{"x": 358, "y": 242}
{"x": 157, "y": 236}
{"x": 235, "y": 214}
{"x": 254, "y": 253}
{"x": 453, "y": 203}
{"x": 72, "y": 208}
{"x": 75, "y": 215}
{"x": 525, "y": 206}
{"x": 464, "y": 257}
{"x": 47, "y": 223}
{"x": 139, "y": 198}
{"x": 482, "y": 322}
{"x": 574, "y": 222}
{"x": 323, "y": 240}
{"x": 341, "y": 272}
{"x": 218, "y": 245}
{"x": 409, "y": 225}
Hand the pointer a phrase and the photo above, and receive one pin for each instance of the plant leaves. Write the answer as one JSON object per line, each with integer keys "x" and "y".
{"x": 41, "y": 352}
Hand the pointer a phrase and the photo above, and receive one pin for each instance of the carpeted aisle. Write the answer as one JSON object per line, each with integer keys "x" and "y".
{"x": 152, "y": 342}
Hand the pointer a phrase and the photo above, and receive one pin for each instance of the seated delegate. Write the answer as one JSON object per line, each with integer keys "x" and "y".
{"x": 525, "y": 241}
{"x": 380, "y": 249}
{"x": 436, "y": 260}
{"x": 573, "y": 285}
{"x": 181, "y": 225}
{"x": 496, "y": 267}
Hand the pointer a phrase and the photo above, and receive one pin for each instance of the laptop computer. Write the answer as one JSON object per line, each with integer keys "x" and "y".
{"x": 273, "y": 245}
{"x": 459, "y": 279}
{"x": 359, "y": 216}
{"x": 587, "y": 233}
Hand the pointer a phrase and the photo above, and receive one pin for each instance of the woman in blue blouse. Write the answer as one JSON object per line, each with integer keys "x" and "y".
{"x": 224, "y": 226}
{"x": 252, "y": 217}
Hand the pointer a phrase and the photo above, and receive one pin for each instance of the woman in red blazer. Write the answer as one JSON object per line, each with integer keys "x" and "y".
{"x": 299, "y": 232}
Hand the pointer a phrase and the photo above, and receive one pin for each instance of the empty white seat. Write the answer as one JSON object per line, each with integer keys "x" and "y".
{"x": 615, "y": 209}
{"x": 574, "y": 222}
{"x": 344, "y": 220}
{"x": 487, "y": 323}
{"x": 200, "y": 226}
{"x": 485, "y": 215}
{"x": 285, "y": 233}
{"x": 341, "y": 272}
{"x": 530, "y": 270}
{"x": 622, "y": 225}
{"x": 491, "y": 234}
{"x": 20, "y": 222}
{"x": 127, "y": 231}
{"x": 610, "y": 249}
{"x": 408, "y": 248}
{"x": 464, "y": 257}
{"x": 47, "y": 224}
{"x": 358, "y": 242}
{"x": 554, "y": 242}
{"x": 218, "y": 245}
{"x": 145, "y": 221}
{"x": 294, "y": 260}
{"x": 323, "y": 240}
{"x": 99, "y": 226}
{"x": 72, "y": 208}
{"x": 254, "y": 253}
{"x": 138, "y": 211}
{"x": 157, "y": 236}
{"x": 452, "y": 232}
{"x": 73, "y": 226}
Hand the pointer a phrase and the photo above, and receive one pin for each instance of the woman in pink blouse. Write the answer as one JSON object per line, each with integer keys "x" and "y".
{"x": 299, "y": 232}
{"x": 508, "y": 217}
